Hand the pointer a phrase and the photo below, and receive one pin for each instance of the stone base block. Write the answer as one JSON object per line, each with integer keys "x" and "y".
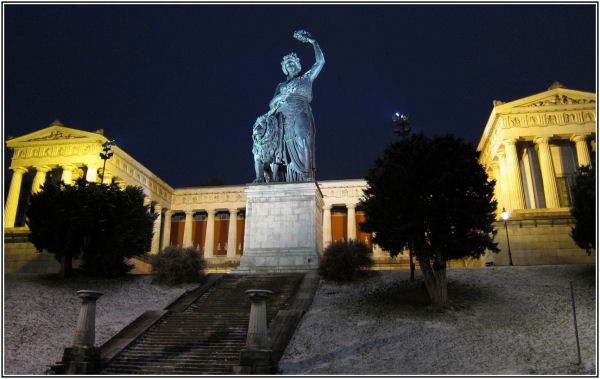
{"x": 78, "y": 361}
{"x": 255, "y": 362}
{"x": 284, "y": 228}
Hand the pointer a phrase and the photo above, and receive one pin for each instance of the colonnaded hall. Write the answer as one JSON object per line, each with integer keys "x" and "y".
{"x": 531, "y": 146}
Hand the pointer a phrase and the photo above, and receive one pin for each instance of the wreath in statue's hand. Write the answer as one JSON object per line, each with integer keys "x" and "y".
{"x": 302, "y": 35}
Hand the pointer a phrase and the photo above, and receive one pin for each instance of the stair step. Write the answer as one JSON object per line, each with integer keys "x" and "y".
{"x": 207, "y": 337}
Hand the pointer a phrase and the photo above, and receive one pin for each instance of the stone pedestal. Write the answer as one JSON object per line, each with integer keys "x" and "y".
{"x": 284, "y": 228}
{"x": 256, "y": 358}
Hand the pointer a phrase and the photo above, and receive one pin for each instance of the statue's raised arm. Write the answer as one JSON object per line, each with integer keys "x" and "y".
{"x": 304, "y": 36}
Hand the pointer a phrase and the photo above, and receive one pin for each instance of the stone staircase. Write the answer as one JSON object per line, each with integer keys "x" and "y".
{"x": 206, "y": 336}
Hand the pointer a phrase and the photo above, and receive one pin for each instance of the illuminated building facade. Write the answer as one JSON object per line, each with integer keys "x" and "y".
{"x": 530, "y": 146}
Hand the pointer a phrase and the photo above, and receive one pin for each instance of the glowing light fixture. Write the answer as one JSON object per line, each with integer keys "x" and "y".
{"x": 401, "y": 119}
{"x": 504, "y": 215}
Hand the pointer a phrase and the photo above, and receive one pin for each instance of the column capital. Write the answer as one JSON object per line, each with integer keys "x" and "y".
{"x": 42, "y": 168}
{"x": 157, "y": 208}
{"x": 68, "y": 166}
{"x": 19, "y": 169}
{"x": 326, "y": 206}
{"x": 351, "y": 205}
{"x": 169, "y": 212}
{"x": 541, "y": 140}
{"x": 233, "y": 211}
{"x": 190, "y": 212}
{"x": 211, "y": 211}
{"x": 500, "y": 154}
{"x": 578, "y": 137}
{"x": 510, "y": 141}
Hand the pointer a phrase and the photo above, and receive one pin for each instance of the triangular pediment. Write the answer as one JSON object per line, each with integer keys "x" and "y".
{"x": 56, "y": 133}
{"x": 557, "y": 97}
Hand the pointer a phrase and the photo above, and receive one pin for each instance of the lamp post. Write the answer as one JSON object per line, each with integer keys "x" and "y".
{"x": 401, "y": 119}
{"x": 403, "y": 130}
{"x": 505, "y": 218}
{"x": 105, "y": 156}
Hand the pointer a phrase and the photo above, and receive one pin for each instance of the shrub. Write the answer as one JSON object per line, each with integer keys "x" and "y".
{"x": 344, "y": 260}
{"x": 174, "y": 265}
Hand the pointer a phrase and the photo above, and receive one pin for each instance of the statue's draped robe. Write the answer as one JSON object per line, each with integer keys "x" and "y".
{"x": 298, "y": 129}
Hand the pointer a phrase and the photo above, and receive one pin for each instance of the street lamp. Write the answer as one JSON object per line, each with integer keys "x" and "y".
{"x": 105, "y": 156}
{"x": 505, "y": 218}
{"x": 401, "y": 119}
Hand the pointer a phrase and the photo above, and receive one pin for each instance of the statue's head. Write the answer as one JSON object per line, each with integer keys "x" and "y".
{"x": 290, "y": 64}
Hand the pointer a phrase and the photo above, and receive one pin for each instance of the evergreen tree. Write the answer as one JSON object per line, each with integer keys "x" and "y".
{"x": 433, "y": 196}
{"x": 99, "y": 223}
{"x": 584, "y": 209}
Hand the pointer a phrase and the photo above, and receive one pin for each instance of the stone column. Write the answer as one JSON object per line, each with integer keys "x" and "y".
{"x": 107, "y": 178}
{"x": 583, "y": 153}
{"x": 187, "y": 229}
{"x": 39, "y": 178}
{"x": 12, "y": 199}
{"x": 351, "y": 221}
{"x": 516, "y": 194}
{"x": 85, "y": 334}
{"x": 167, "y": 230}
{"x": 67, "y": 174}
{"x": 547, "y": 169}
{"x": 498, "y": 187}
{"x": 155, "y": 247}
{"x": 326, "y": 225}
{"x": 92, "y": 173}
{"x": 209, "y": 241}
{"x": 232, "y": 233}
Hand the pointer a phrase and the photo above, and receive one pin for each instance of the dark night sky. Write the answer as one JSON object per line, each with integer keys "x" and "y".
{"x": 179, "y": 86}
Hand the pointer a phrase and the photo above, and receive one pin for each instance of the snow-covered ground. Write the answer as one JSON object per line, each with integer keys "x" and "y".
{"x": 505, "y": 321}
{"x": 40, "y": 314}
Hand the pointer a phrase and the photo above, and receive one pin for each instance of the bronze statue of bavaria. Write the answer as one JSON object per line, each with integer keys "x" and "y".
{"x": 284, "y": 137}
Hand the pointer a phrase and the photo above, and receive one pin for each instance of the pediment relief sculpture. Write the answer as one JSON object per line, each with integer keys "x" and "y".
{"x": 55, "y": 135}
{"x": 559, "y": 100}
{"x": 541, "y": 119}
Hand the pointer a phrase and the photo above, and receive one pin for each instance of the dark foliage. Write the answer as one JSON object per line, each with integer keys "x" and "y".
{"x": 101, "y": 224}
{"x": 430, "y": 195}
{"x": 584, "y": 209}
{"x": 174, "y": 265}
{"x": 345, "y": 260}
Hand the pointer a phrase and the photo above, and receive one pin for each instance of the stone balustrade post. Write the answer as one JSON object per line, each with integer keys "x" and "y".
{"x": 209, "y": 240}
{"x": 257, "y": 326}
{"x": 83, "y": 357}
{"x": 232, "y": 234}
{"x": 583, "y": 153}
{"x": 255, "y": 358}
{"x": 326, "y": 225}
{"x": 85, "y": 334}
{"x": 12, "y": 199}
